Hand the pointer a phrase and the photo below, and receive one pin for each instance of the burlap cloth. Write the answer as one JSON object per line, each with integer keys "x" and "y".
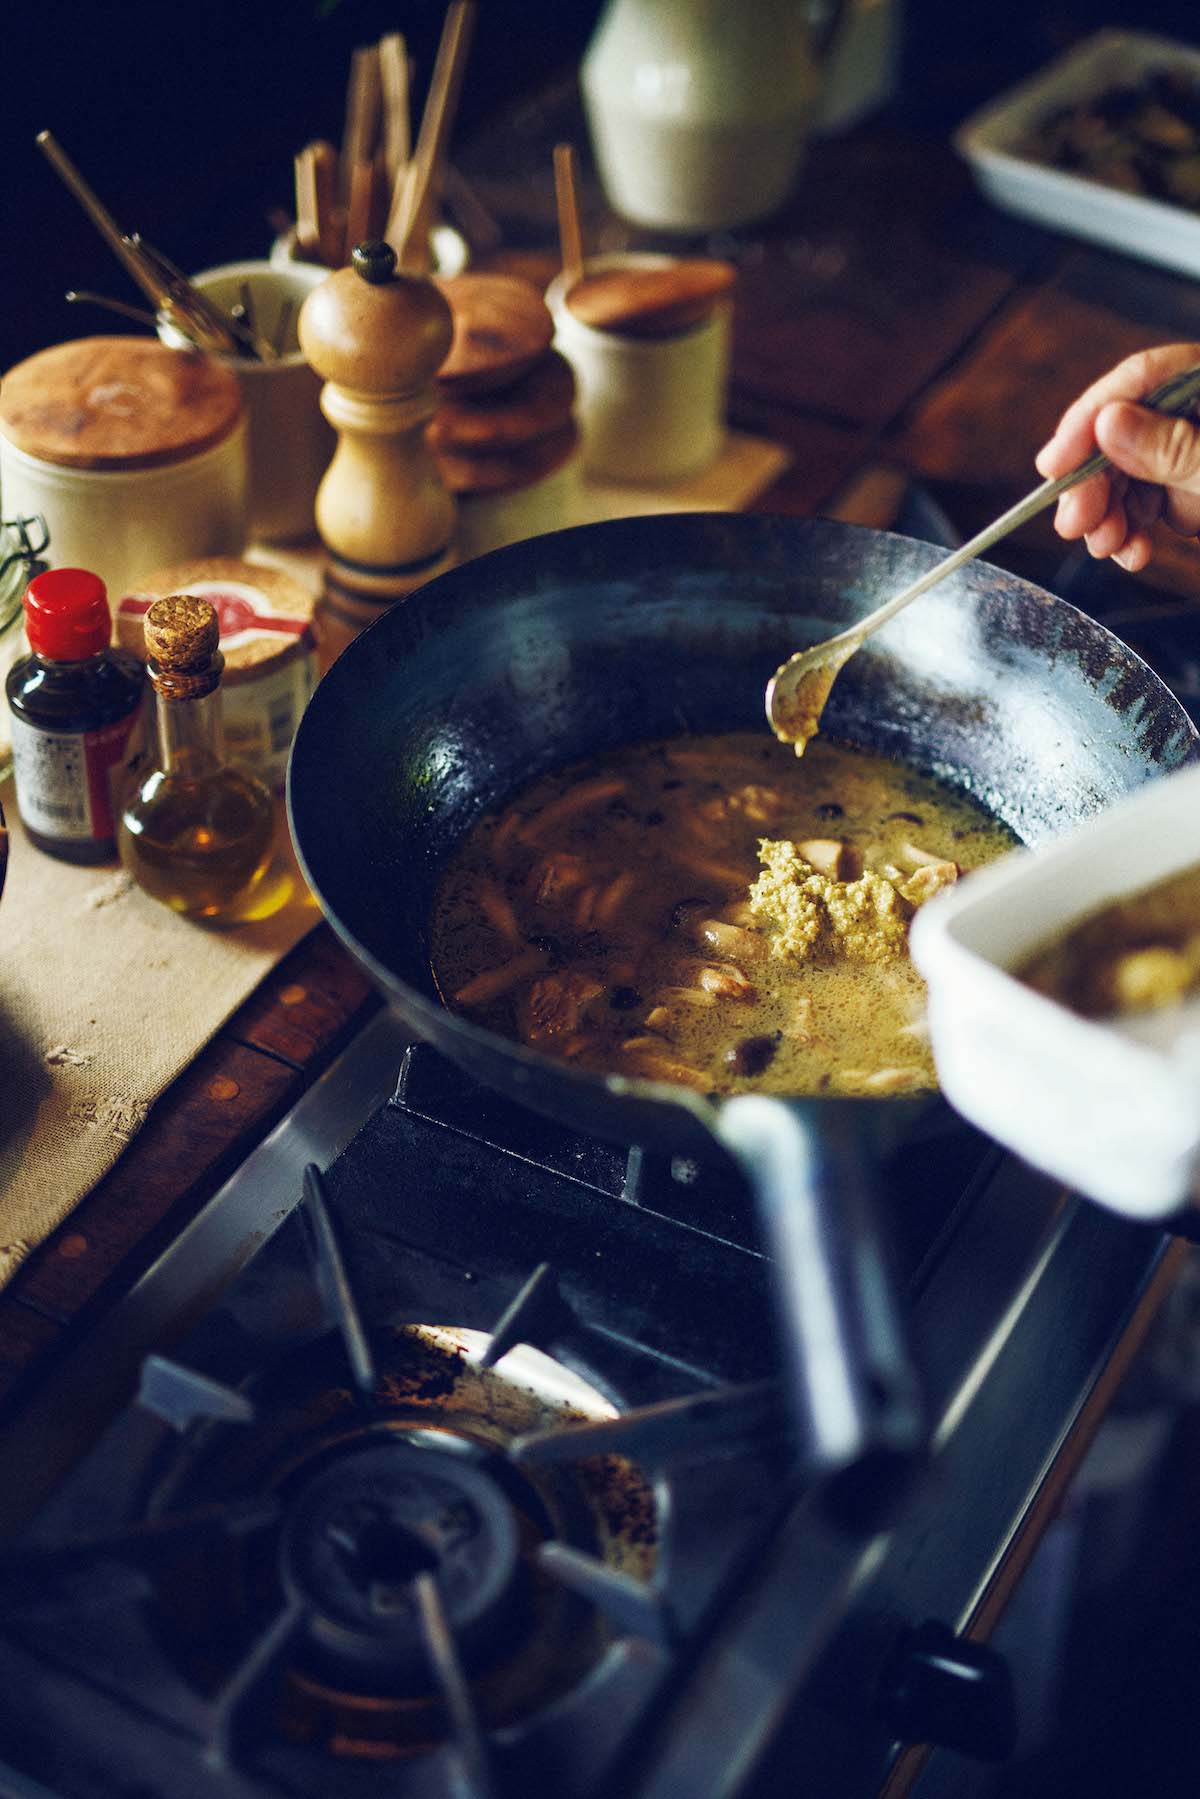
{"x": 105, "y": 996}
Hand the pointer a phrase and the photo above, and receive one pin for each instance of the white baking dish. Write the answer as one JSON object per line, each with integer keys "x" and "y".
{"x": 1112, "y": 1108}
{"x": 992, "y": 140}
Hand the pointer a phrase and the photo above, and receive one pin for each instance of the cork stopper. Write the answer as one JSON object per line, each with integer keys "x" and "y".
{"x": 182, "y": 634}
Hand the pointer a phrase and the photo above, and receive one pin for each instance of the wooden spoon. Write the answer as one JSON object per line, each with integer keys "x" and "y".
{"x": 651, "y": 302}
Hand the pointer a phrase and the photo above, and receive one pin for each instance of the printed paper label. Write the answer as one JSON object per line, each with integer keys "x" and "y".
{"x": 63, "y": 778}
{"x": 244, "y": 613}
{"x": 261, "y": 716}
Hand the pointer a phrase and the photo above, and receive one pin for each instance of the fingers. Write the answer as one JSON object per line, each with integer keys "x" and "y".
{"x": 1156, "y": 460}
{"x": 1074, "y": 438}
{"x": 1135, "y": 553}
{"x": 1084, "y": 507}
{"x": 1164, "y": 451}
{"x": 1112, "y": 513}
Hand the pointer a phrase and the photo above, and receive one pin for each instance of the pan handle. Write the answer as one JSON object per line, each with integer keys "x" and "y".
{"x": 812, "y": 1167}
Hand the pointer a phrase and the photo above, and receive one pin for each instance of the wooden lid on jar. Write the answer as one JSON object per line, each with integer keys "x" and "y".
{"x": 647, "y": 302}
{"x": 118, "y": 403}
{"x": 263, "y": 613}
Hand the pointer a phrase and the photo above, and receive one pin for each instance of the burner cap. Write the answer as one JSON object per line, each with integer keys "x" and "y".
{"x": 367, "y": 1523}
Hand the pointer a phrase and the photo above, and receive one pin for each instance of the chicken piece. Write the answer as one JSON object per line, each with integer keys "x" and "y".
{"x": 1147, "y": 978}
{"x": 809, "y": 914}
{"x": 556, "y": 1005}
{"x": 757, "y": 805}
{"x": 729, "y": 939}
{"x": 929, "y": 880}
{"x": 492, "y": 982}
{"x": 556, "y": 879}
{"x": 726, "y": 983}
{"x": 913, "y": 856}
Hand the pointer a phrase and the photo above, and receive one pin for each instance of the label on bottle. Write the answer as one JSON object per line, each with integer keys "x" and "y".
{"x": 63, "y": 778}
{"x": 261, "y": 716}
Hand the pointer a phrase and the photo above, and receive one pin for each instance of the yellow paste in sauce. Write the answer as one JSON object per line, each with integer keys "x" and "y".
{"x": 710, "y": 911}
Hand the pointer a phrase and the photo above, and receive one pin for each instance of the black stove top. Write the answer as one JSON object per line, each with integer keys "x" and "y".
{"x": 471, "y": 1473}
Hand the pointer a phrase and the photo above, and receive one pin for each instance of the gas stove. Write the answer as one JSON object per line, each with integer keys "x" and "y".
{"x": 445, "y": 1453}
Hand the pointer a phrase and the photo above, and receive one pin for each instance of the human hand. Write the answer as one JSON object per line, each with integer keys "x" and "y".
{"x": 1156, "y": 460}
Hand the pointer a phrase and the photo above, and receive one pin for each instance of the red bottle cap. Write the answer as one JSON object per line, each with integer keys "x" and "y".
{"x": 66, "y": 615}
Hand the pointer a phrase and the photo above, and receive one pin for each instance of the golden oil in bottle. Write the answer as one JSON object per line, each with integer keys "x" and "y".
{"x": 196, "y": 834}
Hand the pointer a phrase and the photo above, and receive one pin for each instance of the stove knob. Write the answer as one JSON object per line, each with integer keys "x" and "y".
{"x": 939, "y": 1688}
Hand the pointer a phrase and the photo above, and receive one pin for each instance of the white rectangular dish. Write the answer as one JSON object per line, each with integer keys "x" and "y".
{"x": 1111, "y": 1107}
{"x": 994, "y": 139}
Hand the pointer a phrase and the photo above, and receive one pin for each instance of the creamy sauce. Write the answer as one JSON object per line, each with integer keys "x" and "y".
{"x": 712, "y": 912}
{"x": 1136, "y": 955}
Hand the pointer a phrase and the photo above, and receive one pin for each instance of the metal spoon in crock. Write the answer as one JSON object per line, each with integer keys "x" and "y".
{"x": 797, "y": 693}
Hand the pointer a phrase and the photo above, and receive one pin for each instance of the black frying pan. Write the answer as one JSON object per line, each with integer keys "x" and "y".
{"x": 562, "y": 646}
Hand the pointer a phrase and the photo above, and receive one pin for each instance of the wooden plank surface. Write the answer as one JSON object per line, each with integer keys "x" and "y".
{"x": 974, "y": 432}
{"x": 302, "y": 1009}
{"x": 885, "y": 264}
{"x": 194, "y": 1137}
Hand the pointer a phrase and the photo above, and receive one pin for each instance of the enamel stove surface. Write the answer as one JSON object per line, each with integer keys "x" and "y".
{"x": 471, "y": 1474}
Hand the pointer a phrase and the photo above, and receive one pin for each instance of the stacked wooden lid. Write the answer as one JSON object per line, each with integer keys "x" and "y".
{"x": 505, "y": 396}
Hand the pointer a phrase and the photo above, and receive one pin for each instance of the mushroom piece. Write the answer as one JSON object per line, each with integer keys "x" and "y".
{"x": 831, "y": 856}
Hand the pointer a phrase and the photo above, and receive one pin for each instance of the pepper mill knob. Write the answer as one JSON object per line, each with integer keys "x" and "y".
{"x": 378, "y": 338}
{"x": 374, "y": 260}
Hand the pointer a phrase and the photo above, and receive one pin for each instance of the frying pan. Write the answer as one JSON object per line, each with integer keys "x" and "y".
{"x": 560, "y": 647}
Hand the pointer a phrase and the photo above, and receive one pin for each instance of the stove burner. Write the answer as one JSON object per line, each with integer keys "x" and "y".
{"x": 367, "y": 1524}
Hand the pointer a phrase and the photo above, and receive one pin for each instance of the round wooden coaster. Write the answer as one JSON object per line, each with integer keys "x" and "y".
{"x": 501, "y": 328}
{"x": 512, "y": 469}
{"x": 539, "y": 403}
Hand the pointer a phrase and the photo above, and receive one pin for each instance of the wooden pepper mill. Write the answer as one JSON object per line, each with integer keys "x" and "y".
{"x": 383, "y": 512}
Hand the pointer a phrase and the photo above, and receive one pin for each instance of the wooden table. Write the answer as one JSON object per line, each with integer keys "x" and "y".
{"x": 890, "y": 319}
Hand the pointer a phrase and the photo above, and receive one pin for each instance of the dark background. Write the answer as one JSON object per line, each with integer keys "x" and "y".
{"x": 185, "y": 117}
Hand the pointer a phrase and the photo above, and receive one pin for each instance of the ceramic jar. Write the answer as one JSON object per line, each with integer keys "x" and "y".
{"x": 699, "y": 110}
{"x": 291, "y": 444}
{"x": 132, "y": 453}
{"x": 651, "y": 409}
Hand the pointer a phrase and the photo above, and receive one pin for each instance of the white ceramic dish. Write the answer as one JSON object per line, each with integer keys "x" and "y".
{"x": 992, "y": 141}
{"x": 1112, "y": 1108}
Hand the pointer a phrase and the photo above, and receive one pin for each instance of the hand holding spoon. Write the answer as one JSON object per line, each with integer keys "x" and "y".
{"x": 797, "y": 694}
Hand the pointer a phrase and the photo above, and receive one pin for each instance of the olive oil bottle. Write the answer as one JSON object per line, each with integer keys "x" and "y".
{"x": 197, "y": 832}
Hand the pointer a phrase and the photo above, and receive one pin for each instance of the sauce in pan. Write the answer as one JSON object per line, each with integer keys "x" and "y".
{"x": 712, "y": 912}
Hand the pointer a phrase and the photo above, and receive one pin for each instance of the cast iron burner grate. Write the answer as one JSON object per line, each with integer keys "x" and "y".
{"x": 231, "y": 1595}
{"x": 466, "y": 1549}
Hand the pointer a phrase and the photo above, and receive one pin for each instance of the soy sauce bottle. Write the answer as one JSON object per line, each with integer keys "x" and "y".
{"x": 73, "y": 704}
